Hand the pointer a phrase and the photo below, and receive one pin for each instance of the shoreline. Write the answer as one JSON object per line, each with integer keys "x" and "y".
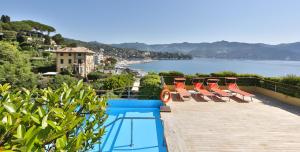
{"x": 126, "y": 63}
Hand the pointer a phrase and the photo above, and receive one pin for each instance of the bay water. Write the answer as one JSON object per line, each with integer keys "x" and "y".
{"x": 269, "y": 68}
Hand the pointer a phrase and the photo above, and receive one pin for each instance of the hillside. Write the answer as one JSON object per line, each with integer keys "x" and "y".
{"x": 34, "y": 36}
{"x": 127, "y": 53}
{"x": 224, "y": 49}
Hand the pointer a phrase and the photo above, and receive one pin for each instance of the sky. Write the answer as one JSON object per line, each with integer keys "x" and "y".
{"x": 164, "y": 21}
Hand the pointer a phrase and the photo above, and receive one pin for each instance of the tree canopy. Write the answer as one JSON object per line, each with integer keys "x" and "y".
{"x": 26, "y": 25}
{"x": 58, "y": 39}
{"x": 16, "y": 26}
{"x": 5, "y": 19}
{"x": 39, "y": 26}
{"x": 150, "y": 87}
{"x": 15, "y": 67}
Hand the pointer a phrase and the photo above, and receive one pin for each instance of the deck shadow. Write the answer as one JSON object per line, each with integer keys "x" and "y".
{"x": 275, "y": 103}
{"x": 198, "y": 98}
{"x": 238, "y": 100}
{"x": 176, "y": 97}
{"x": 216, "y": 99}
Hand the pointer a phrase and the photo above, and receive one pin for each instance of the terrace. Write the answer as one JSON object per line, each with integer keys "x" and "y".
{"x": 269, "y": 122}
{"x": 262, "y": 125}
{"x": 216, "y": 124}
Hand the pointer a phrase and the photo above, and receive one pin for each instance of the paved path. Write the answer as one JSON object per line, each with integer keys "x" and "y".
{"x": 136, "y": 85}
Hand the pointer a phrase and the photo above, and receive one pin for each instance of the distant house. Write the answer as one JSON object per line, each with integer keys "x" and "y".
{"x": 79, "y": 60}
{"x": 146, "y": 53}
{"x": 98, "y": 57}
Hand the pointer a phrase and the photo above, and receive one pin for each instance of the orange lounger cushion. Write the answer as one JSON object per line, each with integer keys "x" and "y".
{"x": 220, "y": 92}
{"x": 234, "y": 88}
{"x": 204, "y": 92}
{"x": 183, "y": 92}
{"x": 241, "y": 92}
{"x": 199, "y": 88}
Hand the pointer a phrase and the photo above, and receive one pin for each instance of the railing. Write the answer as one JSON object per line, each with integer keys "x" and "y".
{"x": 287, "y": 89}
{"x": 125, "y": 92}
{"x": 122, "y": 92}
{"x": 280, "y": 87}
{"x": 246, "y": 81}
{"x": 131, "y": 127}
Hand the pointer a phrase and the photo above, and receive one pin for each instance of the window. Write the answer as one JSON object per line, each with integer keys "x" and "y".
{"x": 61, "y": 69}
{"x": 70, "y": 54}
{"x": 61, "y": 54}
{"x": 79, "y": 61}
{"x": 79, "y": 54}
{"x": 70, "y": 61}
{"x": 61, "y": 61}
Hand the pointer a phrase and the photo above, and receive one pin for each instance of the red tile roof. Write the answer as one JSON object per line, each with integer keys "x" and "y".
{"x": 74, "y": 50}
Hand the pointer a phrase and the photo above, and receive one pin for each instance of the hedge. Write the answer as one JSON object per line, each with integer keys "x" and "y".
{"x": 150, "y": 87}
{"x": 289, "y": 85}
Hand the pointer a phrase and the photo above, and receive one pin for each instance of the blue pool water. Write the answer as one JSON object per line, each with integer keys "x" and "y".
{"x": 142, "y": 130}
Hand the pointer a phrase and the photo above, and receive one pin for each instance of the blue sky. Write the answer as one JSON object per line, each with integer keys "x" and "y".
{"x": 165, "y": 21}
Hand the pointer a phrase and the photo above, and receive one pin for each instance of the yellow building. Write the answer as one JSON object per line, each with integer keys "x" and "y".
{"x": 79, "y": 59}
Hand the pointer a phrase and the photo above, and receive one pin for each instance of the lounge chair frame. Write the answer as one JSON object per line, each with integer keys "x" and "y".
{"x": 233, "y": 87}
{"x": 200, "y": 89}
{"x": 214, "y": 87}
{"x": 181, "y": 80}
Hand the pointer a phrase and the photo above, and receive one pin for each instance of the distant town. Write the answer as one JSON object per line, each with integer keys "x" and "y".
{"x": 49, "y": 59}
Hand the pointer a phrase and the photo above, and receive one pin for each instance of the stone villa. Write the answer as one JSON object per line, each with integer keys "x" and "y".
{"x": 79, "y": 59}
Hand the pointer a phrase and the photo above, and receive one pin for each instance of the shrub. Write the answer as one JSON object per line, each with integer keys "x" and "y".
{"x": 59, "y": 79}
{"x": 96, "y": 75}
{"x": 150, "y": 87}
{"x": 189, "y": 79}
{"x": 117, "y": 82}
{"x": 172, "y": 73}
{"x": 15, "y": 67}
{"x": 169, "y": 76}
{"x": 224, "y": 74}
{"x": 291, "y": 79}
{"x": 202, "y": 75}
{"x": 9, "y": 35}
{"x": 67, "y": 119}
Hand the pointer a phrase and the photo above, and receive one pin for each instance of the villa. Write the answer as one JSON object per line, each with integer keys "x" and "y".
{"x": 99, "y": 57}
{"x": 79, "y": 59}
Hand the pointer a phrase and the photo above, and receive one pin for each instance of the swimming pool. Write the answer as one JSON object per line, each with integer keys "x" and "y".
{"x": 133, "y": 125}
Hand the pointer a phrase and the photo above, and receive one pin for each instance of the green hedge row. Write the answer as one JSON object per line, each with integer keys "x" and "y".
{"x": 244, "y": 79}
{"x": 150, "y": 87}
{"x": 289, "y": 85}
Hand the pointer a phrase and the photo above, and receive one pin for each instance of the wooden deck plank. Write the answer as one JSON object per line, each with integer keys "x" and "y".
{"x": 262, "y": 125}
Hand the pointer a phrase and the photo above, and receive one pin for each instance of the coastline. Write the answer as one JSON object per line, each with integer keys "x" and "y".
{"x": 126, "y": 63}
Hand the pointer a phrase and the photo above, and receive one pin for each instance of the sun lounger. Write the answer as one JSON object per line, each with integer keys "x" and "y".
{"x": 199, "y": 87}
{"x": 179, "y": 84}
{"x": 214, "y": 87}
{"x": 233, "y": 87}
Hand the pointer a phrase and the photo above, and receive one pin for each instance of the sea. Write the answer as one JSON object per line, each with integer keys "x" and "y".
{"x": 269, "y": 68}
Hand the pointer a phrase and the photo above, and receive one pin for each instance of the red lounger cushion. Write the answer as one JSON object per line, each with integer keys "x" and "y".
{"x": 205, "y": 92}
{"x": 241, "y": 92}
{"x": 183, "y": 92}
{"x": 234, "y": 88}
{"x": 199, "y": 87}
{"x": 220, "y": 92}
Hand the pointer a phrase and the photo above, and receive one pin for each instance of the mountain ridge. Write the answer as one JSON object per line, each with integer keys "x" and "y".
{"x": 224, "y": 49}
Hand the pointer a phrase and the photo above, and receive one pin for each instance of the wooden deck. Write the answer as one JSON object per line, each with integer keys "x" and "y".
{"x": 261, "y": 125}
